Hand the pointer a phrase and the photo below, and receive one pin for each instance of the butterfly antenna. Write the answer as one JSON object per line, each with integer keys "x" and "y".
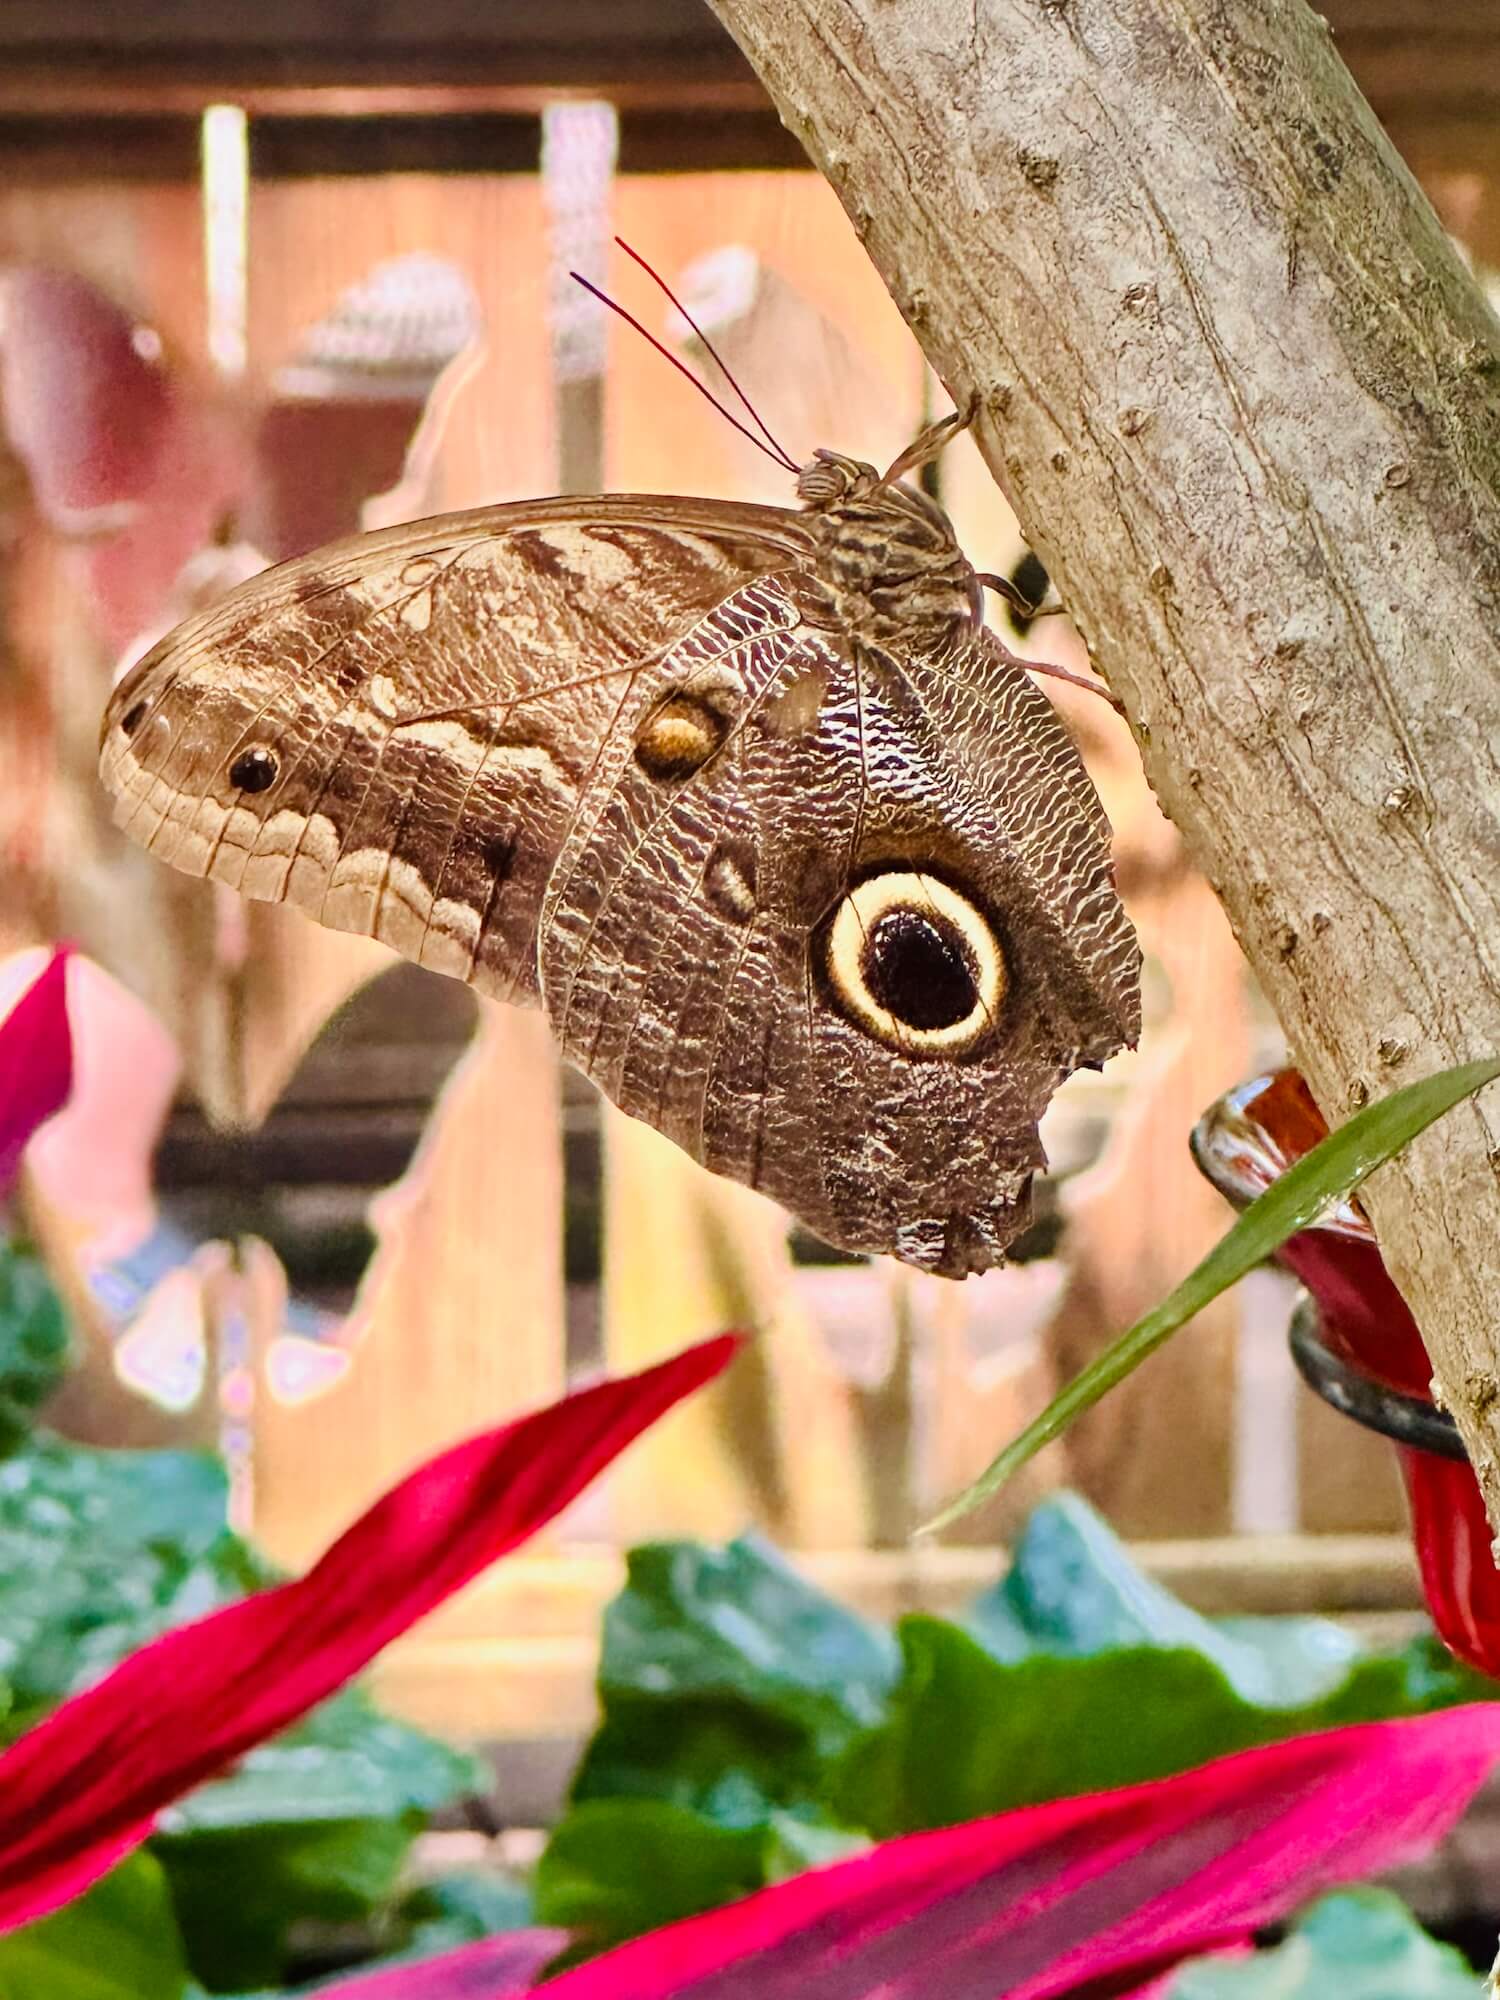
{"x": 714, "y": 355}
{"x": 776, "y": 457}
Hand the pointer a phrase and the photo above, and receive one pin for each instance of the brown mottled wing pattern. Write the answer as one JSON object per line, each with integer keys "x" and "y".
{"x": 802, "y": 865}
{"x": 681, "y": 957}
{"x": 418, "y": 712}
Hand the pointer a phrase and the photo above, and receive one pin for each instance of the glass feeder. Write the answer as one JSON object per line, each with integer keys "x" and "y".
{"x": 1356, "y": 1344}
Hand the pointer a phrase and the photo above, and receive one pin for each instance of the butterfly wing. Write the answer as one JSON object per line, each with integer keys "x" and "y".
{"x": 696, "y": 938}
{"x": 393, "y": 734}
{"x": 836, "y": 921}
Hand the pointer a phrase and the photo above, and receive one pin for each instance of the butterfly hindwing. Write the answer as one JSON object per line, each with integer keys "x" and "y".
{"x": 686, "y": 933}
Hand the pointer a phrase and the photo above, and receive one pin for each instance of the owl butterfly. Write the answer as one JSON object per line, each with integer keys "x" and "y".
{"x": 802, "y": 866}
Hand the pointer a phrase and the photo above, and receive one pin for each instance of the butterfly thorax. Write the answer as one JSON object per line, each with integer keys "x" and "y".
{"x": 887, "y": 554}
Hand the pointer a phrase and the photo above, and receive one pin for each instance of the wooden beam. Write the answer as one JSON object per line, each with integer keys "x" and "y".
{"x": 1414, "y": 59}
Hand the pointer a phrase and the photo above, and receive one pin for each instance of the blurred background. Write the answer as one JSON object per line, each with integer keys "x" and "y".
{"x": 270, "y": 274}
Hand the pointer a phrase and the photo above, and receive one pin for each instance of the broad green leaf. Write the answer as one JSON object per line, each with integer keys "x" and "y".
{"x": 725, "y": 1678}
{"x": 99, "y": 1552}
{"x": 118, "y": 1942}
{"x": 102, "y": 1550}
{"x": 327, "y": 1871}
{"x": 33, "y": 1343}
{"x": 723, "y": 1759}
{"x": 1072, "y": 1590}
{"x": 1362, "y": 1944}
{"x": 311, "y": 1828}
{"x": 740, "y": 1624}
{"x": 796, "y": 1845}
{"x": 459, "y": 1909}
{"x": 969, "y": 1735}
{"x": 617, "y": 1867}
{"x": 344, "y": 1761}
{"x": 1329, "y": 1173}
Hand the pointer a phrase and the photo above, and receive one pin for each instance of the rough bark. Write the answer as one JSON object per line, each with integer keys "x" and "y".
{"x": 1245, "y": 400}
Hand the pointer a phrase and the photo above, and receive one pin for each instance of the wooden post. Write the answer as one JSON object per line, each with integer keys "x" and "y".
{"x": 1245, "y": 400}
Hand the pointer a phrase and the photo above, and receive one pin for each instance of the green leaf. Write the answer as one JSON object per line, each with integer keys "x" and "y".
{"x": 618, "y": 1867}
{"x": 117, "y": 1942}
{"x": 1072, "y": 1590}
{"x": 1361, "y": 1944}
{"x": 344, "y": 1761}
{"x": 458, "y": 1909}
{"x": 725, "y": 1678}
{"x": 969, "y": 1734}
{"x": 739, "y": 1623}
{"x": 1329, "y": 1173}
{"x": 327, "y": 1871}
{"x": 721, "y": 1759}
{"x": 99, "y": 1552}
{"x": 33, "y": 1343}
{"x": 312, "y": 1828}
{"x": 798, "y": 1844}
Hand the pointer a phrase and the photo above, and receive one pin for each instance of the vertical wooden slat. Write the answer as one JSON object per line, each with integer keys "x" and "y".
{"x": 459, "y": 1321}
{"x": 1347, "y": 1478}
{"x": 1157, "y": 1455}
{"x": 688, "y": 1254}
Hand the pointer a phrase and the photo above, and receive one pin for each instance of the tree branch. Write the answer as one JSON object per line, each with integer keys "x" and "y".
{"x": 1245, "y": 401}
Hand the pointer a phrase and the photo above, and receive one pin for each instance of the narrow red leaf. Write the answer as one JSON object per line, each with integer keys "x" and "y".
{"x": 86, "y": 1784}
{"x": 36, "y": 1063}
{"x": 1051, "y": 1900}
{"x": 494, "y": 1966}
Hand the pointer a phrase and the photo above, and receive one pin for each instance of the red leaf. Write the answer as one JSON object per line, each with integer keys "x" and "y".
{"x": 497, "y": 1965}
{"x": 1057, "y": 1899}
{"x": 36, "y": 1063}
{"x": 86, "y": 1784}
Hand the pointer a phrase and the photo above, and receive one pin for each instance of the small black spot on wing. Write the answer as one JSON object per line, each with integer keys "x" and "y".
{"x": 255, "y": 769}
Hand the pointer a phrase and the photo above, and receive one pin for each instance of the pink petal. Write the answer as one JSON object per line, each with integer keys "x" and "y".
{"x": 85, "y": 1784}
{"x": 1044, "y": 1902}
{"x": 36, "y": 1063}
{"x": 123, "y": 453}
{"x": 92, "y": 1164}
{"x": 495, "y": 1966}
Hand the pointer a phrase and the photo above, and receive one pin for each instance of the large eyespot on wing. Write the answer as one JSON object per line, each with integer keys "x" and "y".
{"x": 1005, "y": 746}
{"x": 915, "y": 963}
{"x": 974, "y": 957}
{"x": 391, "y": 733}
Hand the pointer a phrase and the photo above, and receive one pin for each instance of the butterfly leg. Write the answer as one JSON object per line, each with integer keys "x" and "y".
{"x": 1047, "y": 666}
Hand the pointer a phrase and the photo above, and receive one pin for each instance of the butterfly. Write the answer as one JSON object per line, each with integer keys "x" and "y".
{"x": 799, "y": 861}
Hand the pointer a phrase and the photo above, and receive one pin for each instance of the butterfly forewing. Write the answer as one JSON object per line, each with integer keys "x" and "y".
{"x": 393, "y": 734}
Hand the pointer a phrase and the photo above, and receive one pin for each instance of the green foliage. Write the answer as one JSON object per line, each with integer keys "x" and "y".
{"x": 459, "y": 1909}
{"x": 728, "y": 1681}
{"x": 739, "y": 1701}
{"x": 620, "y": 1866}
{"x": 1358, "y": 1945}
{"x": 312, "y": 1828}
{"x": 33, "y": 1343}
{"x": 99, "y": 1552}
{"x": 118, "y": 1942}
